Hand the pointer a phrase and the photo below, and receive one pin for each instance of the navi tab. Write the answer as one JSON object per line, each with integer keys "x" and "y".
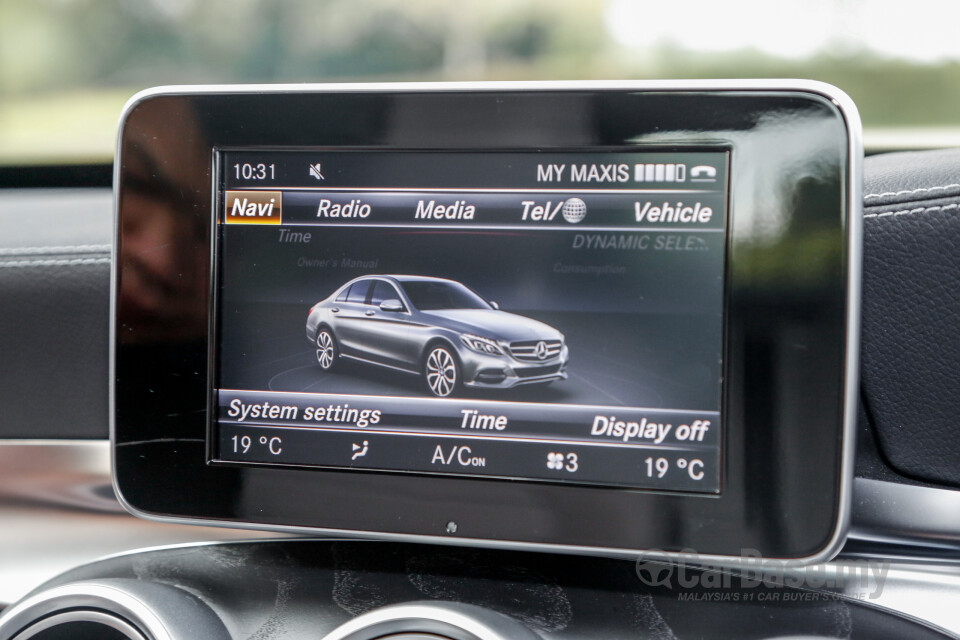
{"x": 253, "y": 207}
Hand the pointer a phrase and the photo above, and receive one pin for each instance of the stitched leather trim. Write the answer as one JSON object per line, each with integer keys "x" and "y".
{"x": 77, "y": 248}
{"x": 904, "y": 212}
{"x": 902, "y": 193}
{"x": 52, "y": 263}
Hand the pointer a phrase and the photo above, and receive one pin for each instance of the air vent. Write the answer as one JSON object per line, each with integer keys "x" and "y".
{"x": 80, "y": 625}
{"x": 111, "y": 609}
{"x": 432, "y": 621}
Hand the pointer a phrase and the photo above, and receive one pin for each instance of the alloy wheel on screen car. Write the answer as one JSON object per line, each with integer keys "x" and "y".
{"x": 441, "y": 372}
{"x": 326, "y": 350}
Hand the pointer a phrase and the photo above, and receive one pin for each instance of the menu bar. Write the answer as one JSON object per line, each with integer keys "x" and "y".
{"x": 701, "y": 171}
{"x": 692, "y": 212}
{"x": 629, "y": 447}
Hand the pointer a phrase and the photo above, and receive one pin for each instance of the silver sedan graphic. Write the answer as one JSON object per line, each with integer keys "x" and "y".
{"x": 436, "y": 328}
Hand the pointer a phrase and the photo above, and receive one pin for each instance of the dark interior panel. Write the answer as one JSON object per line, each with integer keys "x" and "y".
{"x": 911, "y": 306}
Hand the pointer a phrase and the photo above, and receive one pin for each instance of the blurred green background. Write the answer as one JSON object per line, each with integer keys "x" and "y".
{"x": 68, "y": 66}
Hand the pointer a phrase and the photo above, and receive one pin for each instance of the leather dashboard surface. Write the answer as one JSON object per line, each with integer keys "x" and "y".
{"x": 54, "y": 312}
{"x": 910, "y": 360}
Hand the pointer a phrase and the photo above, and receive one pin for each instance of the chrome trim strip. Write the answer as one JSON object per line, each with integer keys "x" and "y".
{"x": 925, "y": 594}
{"x": 54, "y": 474}
{"x": 53, "y": 443}
{"x": 743, "y": 85}
{"x": 854, "y": 278}
{"x": 854, "y": 202}
{"x": 891, "y": 513}
{"x": 114, "y": 268}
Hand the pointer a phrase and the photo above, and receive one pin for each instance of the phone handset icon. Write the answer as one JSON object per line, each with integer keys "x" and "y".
{"x": 703, "y": 173}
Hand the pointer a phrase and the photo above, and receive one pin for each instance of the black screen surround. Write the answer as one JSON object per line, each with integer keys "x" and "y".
{"x": 786, "y": 317}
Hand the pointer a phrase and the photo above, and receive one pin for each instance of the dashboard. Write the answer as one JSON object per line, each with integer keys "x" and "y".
{"x": 599, "y": 341}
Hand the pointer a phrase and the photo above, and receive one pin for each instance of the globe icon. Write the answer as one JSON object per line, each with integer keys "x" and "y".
{"x": 574, "y": 210}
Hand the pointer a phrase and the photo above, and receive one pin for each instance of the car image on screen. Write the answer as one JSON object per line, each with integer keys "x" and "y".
{"x": 436, "y": 328}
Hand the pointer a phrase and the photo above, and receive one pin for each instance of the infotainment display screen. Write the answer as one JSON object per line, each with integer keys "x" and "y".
{"x": 582, "y": 317}
{"x": 545, "y": 316}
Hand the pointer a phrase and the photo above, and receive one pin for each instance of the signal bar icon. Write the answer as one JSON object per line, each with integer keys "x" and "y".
{"x": 650, "y": 172}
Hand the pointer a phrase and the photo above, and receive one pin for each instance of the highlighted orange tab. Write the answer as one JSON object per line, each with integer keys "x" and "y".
{"x": 253, "y": 207}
